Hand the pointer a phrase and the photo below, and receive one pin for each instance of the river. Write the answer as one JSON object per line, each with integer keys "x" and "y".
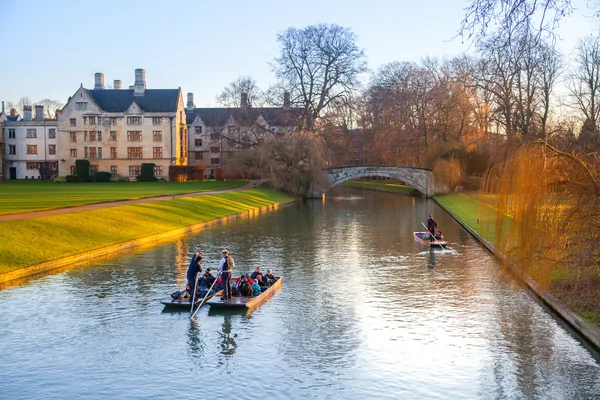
{"x": 363, "y": 313}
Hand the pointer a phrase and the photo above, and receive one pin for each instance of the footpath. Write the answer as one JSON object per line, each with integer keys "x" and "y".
{"x": 589, "y": 331}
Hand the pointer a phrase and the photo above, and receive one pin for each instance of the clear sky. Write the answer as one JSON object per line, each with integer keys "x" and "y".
{"x": 51, "y": 47}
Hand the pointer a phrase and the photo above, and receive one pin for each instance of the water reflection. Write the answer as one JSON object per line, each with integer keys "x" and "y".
{"x": 228, "y": 343}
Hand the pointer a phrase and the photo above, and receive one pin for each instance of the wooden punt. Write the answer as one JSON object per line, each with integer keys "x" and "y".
{"x": 423, "y": 239}
{"x": 184, "y": 303}
{"x": 247, "y": 302}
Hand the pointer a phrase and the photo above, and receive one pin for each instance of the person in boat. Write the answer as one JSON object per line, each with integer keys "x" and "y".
{"x": 225, "y": 268}
{"x": 439, "y": 236}
{"x": 256, "y": 273}
{"x": 431, "y": 226}
{"x": 194, "y": 269}
{"x": 260, "y": 282}
{"x": 269, "y": 278}
{"x": 256, "y": 288}
{"x": 245, "y": 287}
{"x": 207, "y": 279}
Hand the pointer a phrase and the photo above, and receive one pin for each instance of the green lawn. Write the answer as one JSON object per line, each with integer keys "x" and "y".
{"x": 387, "y": 187}
{"x": 23, "y": 196}
{"x": 36, "y": 240}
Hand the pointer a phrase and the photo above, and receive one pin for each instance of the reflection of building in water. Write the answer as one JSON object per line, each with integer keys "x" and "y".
{"x": 182, "y": 260}
{"x": 196, "y": 345}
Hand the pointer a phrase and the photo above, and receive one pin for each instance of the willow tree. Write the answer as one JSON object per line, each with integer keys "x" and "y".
{"x": 548, "y": 219}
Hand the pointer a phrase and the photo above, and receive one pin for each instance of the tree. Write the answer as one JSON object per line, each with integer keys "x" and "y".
{"x": 231, "y": 95}
{"x": 50, "y": 107}
{"x": 317, "y": 66}
{"x": 23, "y": 101}
{"x": 584, "y": 87}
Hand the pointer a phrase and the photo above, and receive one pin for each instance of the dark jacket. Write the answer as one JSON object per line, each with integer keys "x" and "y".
{"x": 193, "y": 269}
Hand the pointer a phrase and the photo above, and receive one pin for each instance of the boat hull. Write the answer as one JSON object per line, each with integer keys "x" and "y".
{"x": 245, "y": 302}
{"x": 423, "y": 239}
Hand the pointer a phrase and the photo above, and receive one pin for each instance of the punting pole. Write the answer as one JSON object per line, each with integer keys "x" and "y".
{"x": 433, "y": 236}
{"x": 202, "y": 302}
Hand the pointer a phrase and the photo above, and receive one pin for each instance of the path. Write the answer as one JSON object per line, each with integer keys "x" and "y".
{"x": 97, "y": 206}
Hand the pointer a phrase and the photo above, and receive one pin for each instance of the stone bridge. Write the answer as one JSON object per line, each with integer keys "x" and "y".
{"x": 419, "y": 178}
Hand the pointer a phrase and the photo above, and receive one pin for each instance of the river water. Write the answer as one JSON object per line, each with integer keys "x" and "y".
{"x": 363, "y": 313}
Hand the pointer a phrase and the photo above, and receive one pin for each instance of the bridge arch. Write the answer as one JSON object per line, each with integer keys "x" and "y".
{"x": 419, "y": 178}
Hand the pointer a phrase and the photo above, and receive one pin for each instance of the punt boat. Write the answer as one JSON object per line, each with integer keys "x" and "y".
{"x": 423, "y": 238}
{"x": 247, "y": 302}
{"x": 184, "y": 303}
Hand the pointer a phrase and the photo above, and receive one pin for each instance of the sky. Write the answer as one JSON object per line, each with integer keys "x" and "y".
{"x": 51, "y": 47}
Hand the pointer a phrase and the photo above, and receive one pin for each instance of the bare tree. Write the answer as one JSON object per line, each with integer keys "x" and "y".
{"x": 231, "y": 95}
{"x": 23, "y": 101}
{"x": 50, "y": 107}
{"x": 584, "y": 87}
{"x": 317, "y": 66}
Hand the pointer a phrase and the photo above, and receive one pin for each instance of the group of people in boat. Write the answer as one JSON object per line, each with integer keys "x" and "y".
{"x": 246, "y": 285}
{"x": 431, "y": 227}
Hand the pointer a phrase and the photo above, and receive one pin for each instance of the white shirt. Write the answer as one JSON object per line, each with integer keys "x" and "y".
{"x": 223, "y": 261}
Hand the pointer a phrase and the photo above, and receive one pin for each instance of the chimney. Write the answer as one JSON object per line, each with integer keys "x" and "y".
{"x": 140, "y": 82}
{"x": 39, "y": 112}
{"x": 190, "y": 102}
{"x": 286, "y": 99}
{"x": 117, "y": 84}
{"x": 98, "y": 81}
{"x": 2, "y": 107}
{"x": 244, "y": 102}
{"x": 27, "y": 113}
{"x": 13, "y": 112}
{"x": 130, "y": 87}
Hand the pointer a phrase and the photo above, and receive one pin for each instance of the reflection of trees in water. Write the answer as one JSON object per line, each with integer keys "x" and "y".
{"x": 227, "y": 341}
{"x": 196, "y": 345}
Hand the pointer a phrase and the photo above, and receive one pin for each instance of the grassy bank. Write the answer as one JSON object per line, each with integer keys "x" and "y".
{"x": 384, "y": 187}
{"x": 24, "y": 196}
{"x": 33, "y": 241}
{"x": 577, "y": 291}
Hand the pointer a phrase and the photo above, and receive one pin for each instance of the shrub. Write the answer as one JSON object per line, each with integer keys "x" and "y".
{"x": 147, "y": 173}
{"x": 83, "y": 170}
{"x": 102, "y": 176}
{"x": 71, "y": 178}
{"x": 122, "y": 178}
{"x": 219, "y": 173}
{"x": 60, "y": 179}
{"x": 447, "y": 174}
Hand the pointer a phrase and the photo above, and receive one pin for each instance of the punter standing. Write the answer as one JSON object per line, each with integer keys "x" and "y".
{"x": 225, "y": 268}
{"x": 431, "y": 226}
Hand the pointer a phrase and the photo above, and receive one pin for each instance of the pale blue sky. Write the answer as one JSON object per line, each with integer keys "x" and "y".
{"x": 51, "y": 47}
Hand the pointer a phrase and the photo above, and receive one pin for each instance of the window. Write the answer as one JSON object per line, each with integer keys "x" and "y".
{"x": 32, "y": 165}
{"x": 215, "y": 136}
{"x": 113, "y": 136}
{"x": 158, "y": 170}
{"x": 92, "y": 136}
{"x": 73, "y": 137}
{"x": 198, "y": 155}
{"x": 99, "y": 136}
{"x": 198, "y": 142}
{"x": 93, "y": 169}
{"x": 157, "y": 152}
{"x": 90, "y": 120}
{"x": 134, "y": 152}
{"x": 73, "y": 154}
{"x": 134, "y": 170}
{"x": 113, "y": 152}
{"x": 31, "y": 149}
{"x": 99, "y": 152}
{"x": 134, "y": 120}
{"x": 156, "y": 121}
{"x": 134, "y": 136}
{"x": 214, "y": 149}
{"x": 113, "y": 170}
{"x": 93, "y": 153}
{"x": 51, "y": 133}
{"x": 53, "y": 165}
{"x": 198, "y": 130}
{"x": 85, "y": 152}
{"x": 157, "y": 135}
{"x": 215, "y": 161}
{"x": 81, "y": 105}
{"x": 11, "y": 133}
{"x": 72, "y": 122}
{"x": 85, "y": 136}
{"x": 73, "y": 170}
{"x": 31, "y": 133}
{"x": 52, "y": 149}
{"x": 12, "y": 149}
{"x": 112, "y": 121}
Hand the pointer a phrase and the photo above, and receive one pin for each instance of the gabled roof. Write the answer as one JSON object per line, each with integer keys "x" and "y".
{"x": 218, "y": 116}
{"x": 119, "y": 100}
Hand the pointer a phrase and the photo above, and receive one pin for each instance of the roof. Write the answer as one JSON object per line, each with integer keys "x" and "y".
{"x": 218, "y": 116}
{"x": 119, "y": 100}
{"x": 13, "y": 117}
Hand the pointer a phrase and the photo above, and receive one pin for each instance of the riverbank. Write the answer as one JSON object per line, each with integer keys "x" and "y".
{"x": 39, "y": 244}
{"x": 477, "y": 218}
{"x": 380, "y": 187}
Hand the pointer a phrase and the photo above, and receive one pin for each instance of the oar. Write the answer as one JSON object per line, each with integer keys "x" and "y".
{"x": 433, "y": 236}
{"x": 202, "y": 302}
{"x": 195, "y": 289}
